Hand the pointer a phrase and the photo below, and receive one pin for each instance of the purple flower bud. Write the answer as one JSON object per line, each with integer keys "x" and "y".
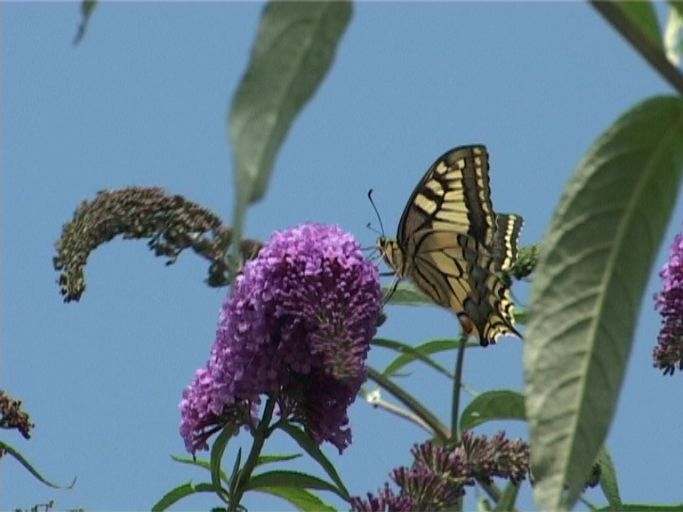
{"x": 297, "y": 328}
{"x": 668, "y": 354}
{"x": 437, "y": 478}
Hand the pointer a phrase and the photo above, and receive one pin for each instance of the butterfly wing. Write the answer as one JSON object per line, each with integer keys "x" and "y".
{"x": 452, "y": 244}
{"x": 457, "y": 274}
{"x": 453, "y": 195}
{"x": 504, "y": 246}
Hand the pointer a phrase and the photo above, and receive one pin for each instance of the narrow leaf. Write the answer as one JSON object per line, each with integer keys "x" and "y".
{"x": 293, "y": 51}
{"x": 235, "y": 476}
{"x": 29, "y": 467}
{"x": 508, "y": 498}
{"x": 608, "y": 479}
{"x": 307, "y": 444}
{"x": 587, "y": 291}
{"x": 643, "y": 15}
{"x": 410, "y": 354}
{"x": 673, "y": 33}
{"x": 178, "y": 493}
{"x": 301, "y": 498}
{"x": 647, "y": 507}
{"x": 87, "y": 8}
{"x": 420, "y": 353}
{"x": 217, "y": 450}
{"x": 406, "y": 294}
{"x": 200, "y": 463}
{"x": 294, "y": 479}
{"x": 493, "y": 405}
{"x": 270, "y": 459}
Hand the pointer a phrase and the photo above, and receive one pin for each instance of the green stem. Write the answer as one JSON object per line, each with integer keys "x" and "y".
{"x": 650, "y": 52}
{"x": 457, "y": 385}
{"x": 439, "y": 430}
{"x": 260, "y": 437}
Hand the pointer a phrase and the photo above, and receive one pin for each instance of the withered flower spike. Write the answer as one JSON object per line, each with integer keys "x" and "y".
{"x": 11, "y": 415}
{"x": 171, "y": 223}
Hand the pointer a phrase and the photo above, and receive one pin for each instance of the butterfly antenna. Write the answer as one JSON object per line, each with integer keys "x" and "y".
{"x": 381, "y": 226}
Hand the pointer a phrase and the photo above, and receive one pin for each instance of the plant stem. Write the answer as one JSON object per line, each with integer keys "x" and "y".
{"x": 259, "y": 439}
{"x": 401, "y": 413}
{"x": 439, "y": 430}
{"x": 650, "y": 52}
{"x": 457, "y": 385}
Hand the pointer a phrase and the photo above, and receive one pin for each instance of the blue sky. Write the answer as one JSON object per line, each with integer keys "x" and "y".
{"x": 143, "y": 100}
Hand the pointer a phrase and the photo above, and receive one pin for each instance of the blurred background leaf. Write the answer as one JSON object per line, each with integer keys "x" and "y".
{"x": 587, "y": 290}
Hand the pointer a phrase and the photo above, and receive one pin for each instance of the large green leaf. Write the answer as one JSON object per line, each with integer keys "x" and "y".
{"x": 643, "y": 15}
{"x": 294, "y": 48}
{"x": 587, "y": 291}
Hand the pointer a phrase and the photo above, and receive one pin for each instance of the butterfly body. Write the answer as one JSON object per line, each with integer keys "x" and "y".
{"x": 453, "y": 246}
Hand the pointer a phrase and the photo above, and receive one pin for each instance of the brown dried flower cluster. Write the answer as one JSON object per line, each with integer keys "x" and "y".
{"x": 11, "y": 415}
{"x": 171, "y": 223}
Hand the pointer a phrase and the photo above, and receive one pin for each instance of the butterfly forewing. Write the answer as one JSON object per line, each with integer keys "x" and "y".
{"x": 453, "y": 195}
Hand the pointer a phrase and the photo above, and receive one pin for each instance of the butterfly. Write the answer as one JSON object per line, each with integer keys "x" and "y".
{"x": 453, "y": 246}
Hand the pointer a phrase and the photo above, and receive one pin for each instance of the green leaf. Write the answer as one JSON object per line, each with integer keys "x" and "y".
{"x": 217, "y": 451}
{"x": 521, "y": 315}
{"x": 178, "y": 493}
{"x": 493, "y": 405}
{"x": 643, "y": 15}
{"x": 235, "y": 476}
{"x": 406, "y": 294}
{"x": 508, "y": 498}
{"x": 87, "y": 8}
{"x": 293, "y": 479}
{"x": 608, "y": 478}
{"x": 293, "y": 51}
{"x": 587, "y": 290}
{"x": 439, "y": 430}
{"x": 29, "y": 467}
{"x": 307, "y": 444}
{"x": 410, "y": 354}
{"x": 200, "y": 463}
{"x": 419, "y": 353}
{"x": 647, "y": 507}
{"x": 483, "y": 505}
{"x": 673, "y": 32}
{"x": 270, "y": 459}
{"x": 301, "y": 498}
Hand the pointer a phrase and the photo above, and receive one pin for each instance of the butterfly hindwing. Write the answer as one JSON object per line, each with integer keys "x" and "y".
{"x": 504, "y": 247}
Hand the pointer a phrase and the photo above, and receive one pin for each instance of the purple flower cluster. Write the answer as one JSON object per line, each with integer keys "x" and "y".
{"x": 296, "y": 328}
{"x": 668, "y": 354}
{"x": 437, "y": 478}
